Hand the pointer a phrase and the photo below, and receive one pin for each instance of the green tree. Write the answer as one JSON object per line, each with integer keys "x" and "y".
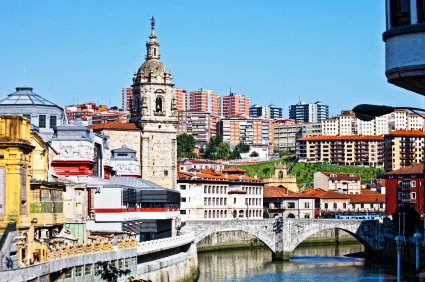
{"x": 223, "y": 151}
{"x": 413, "y": 219}
{"x": 254, "y": 154}
{"x": 185, "y": 145}
{"x": 265, "y": 213}
{"x": 110, "y": 273}
{"x": 202, "y": 149}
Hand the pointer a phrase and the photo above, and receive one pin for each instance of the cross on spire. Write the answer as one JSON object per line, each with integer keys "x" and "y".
{"x": 153, "y": 22}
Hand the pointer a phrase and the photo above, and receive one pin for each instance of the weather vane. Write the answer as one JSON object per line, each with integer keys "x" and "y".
{"x": 153, "y": 22}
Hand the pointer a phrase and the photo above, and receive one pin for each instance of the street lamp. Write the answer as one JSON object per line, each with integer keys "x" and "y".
{"x": 417, "y": 236}
{"x": 368, "y": 112}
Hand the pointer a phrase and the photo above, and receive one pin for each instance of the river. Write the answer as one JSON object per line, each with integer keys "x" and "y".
{"x": 318, "y": 263}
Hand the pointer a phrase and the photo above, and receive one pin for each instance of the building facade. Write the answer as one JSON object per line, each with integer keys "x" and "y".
{"x": 283, "y": 202}
{"x": 155, "y": 111}
{"x": 181, "y": 99}
{"x": 405, "y": 187}
{"x": 258, "y": 133}
{"x": 213, "y": 195}
{"x": 348, "y": 150}
{"x": 345, "y": 183}
{"x": 202, "y": 100}
{"x": 269, "y": 112}
{"x": 233, "y": 105}
{"x": 201, "y": 125}
{"x": 403, "y": 148}
{"x": 314, "y": 112}
{"x": 127, "y": 98}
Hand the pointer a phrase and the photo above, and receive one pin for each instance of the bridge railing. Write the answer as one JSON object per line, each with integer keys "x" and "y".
{"x": 164, "y": 244}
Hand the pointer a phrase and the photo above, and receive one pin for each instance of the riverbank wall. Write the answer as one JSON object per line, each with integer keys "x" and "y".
{"x": 241, "y": 240}
{"x": 408, "y": 251}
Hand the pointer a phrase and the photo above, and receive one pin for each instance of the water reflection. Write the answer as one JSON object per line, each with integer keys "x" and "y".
{"x": 319, "y": 263}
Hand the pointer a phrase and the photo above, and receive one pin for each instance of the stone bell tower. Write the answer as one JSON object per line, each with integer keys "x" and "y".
{"x": 154, "y": 110}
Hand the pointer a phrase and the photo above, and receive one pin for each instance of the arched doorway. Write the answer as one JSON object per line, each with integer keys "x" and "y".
{"x": 291, "y": 215}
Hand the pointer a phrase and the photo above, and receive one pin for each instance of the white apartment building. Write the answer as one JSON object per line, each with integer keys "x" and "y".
{"x": 213, "y": 195}
{"x": 348, "y": 124}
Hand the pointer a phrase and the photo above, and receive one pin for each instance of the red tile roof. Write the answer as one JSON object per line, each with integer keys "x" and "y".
{"x": 411, "y": 169}
{"x": 332, "y": 195}
{"x": 114, "y": 125}
{"x": 406, "y": 133}
{"x": 341, "y": 137}
{"x": 364, "y": 191}
{"x": 234, "y": 169}
{"x": 367, "y": 198}
{"x": 342, "y": 176}
{"x": 278, "y": 192}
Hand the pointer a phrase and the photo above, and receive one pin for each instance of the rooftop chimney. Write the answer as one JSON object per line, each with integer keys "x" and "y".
{"x": 255, "y": 175}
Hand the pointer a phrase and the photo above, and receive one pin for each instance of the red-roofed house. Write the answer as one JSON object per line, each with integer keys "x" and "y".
{"x": 347, "y": 183}
{"x": 186, "y": 165}
{"x": 284, "y": 202}
{"x": 214, "y": 195}
{"x": 405, "y": 187}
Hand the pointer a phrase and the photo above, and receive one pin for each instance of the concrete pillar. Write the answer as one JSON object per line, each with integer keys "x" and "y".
{"x": 280, "y": 256}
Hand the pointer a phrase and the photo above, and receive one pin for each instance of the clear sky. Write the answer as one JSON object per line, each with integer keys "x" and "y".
{"x": 280, "y": 51}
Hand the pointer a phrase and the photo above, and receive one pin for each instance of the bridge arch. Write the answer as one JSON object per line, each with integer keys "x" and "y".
{"x": 261, "y": 229}
{"x": 353, "y": 230}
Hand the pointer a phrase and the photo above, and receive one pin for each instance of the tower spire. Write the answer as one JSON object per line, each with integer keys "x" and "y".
{"x": 152, "y": 36}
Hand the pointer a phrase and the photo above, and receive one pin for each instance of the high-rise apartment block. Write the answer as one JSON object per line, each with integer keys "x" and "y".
{"x": 404, "y": 148}
{"x": 127, "y": 95}
{"x": 286, "y": 135}
{"x": 258, "y": 133}
{"x": 201, "y": 125}
{"x": 181, "y": 98}
{"x": 303, "y": 112}
{"x": 233, "y": 105}
{"x": 269, "y": 112}
{"x": 202, "y": 100}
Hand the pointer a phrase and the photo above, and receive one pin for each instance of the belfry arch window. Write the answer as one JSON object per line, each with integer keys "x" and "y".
{"x": 280, "y": 174}
{"x": 158, "y": 104}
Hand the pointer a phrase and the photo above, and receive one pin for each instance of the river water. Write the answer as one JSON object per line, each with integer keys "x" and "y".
{"x": 318, "y": 263}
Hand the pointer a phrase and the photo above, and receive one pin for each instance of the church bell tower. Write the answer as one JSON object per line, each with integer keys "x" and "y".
{"x": 154, "y": 110}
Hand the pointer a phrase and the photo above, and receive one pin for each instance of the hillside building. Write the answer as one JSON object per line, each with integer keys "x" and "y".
{"x": 344, "y": 183}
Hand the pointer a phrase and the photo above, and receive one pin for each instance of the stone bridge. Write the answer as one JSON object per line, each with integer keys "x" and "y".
{"x": 294, "y": 231}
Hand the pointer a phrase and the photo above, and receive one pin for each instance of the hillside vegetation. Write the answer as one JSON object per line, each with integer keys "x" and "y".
{"x": 305, "y": 172}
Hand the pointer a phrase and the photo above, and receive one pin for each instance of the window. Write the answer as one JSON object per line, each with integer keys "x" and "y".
{"x": 400, "y": 13}
{"x": 87, "y": 269}
{"x": 326, "y": 206}
{"x": 183, "y": 200}
{"x": 412, "y": 183}
{"x": 182, "y": 187}
{"x": 127, "y": 262}
{"x": 68, "y": 273}
{"x": 413, "y": 196}
{"x": 165, "y": 172}
{"x": 182, "y": 211}
{"x": 335, "y": 205}
{"x": 52, "y": 121}
{"x": 344, "y": 205}
{"x": 399, "y": 195}
{"x": 27, "y": 116}
{"x": 78, "y": 271}
{"x": 291, "y": 205}
{"x": 120, "y": 263}
{"x": 42, "y": 121}
{"x": 307, "y": 205}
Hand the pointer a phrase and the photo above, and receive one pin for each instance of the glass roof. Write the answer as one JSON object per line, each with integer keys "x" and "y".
{"x": 25, "y": 96}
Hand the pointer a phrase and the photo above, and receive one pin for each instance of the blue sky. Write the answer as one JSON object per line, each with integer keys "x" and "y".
{"x": 280, "y": 51}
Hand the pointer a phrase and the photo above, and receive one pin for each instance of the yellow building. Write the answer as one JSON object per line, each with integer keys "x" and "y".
{"x": 32, "y": 206}
{"x": 281, "y": 179}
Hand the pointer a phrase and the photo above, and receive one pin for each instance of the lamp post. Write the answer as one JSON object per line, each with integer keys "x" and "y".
{"x": 368, "y": 112}
{"x": 417, "y": 236}
{"x": 399, "y": 239}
